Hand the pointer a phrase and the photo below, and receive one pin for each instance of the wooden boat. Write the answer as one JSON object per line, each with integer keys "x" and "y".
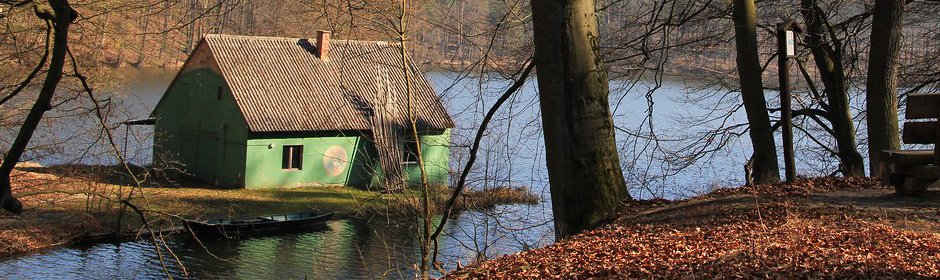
{"x": 236, "y": 227}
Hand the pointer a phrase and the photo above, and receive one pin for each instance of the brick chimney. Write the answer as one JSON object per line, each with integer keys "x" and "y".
{"x": 323, "y": 44}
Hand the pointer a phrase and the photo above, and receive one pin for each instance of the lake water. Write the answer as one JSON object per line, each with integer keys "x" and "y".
{"x": 342, "y": 249}
{"x": 513, "y": 154}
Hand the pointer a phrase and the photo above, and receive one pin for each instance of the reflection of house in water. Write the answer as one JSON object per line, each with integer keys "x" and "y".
{"x": 278, "y": 112}
{"x": 343, "y": 249}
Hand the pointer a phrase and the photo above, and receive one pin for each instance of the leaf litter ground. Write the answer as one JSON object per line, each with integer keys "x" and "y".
{"x": 845, "y": 228}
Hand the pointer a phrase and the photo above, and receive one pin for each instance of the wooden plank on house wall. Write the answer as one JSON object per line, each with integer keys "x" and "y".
{"x": 921, "y": 106}
{"x": 386, "y": 130}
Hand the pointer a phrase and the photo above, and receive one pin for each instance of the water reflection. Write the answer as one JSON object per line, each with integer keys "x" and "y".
{"x": 342, "y": 249}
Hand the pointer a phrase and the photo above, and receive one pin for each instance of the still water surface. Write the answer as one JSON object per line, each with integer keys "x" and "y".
{"x": 341, "y": 249}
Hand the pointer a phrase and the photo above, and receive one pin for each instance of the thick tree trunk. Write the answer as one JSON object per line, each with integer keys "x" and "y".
{"x": 583, "y": 165}
{"x": 882, "y": 84}
{"x": 828, "y": 58}
{"x": 764, "y": 158}
{"x": 63, "y": 18}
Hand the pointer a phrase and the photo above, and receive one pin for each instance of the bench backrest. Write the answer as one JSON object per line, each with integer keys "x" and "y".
{"x": 923, "y": 106}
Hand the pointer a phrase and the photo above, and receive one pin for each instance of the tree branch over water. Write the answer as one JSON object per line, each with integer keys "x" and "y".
{"x": 462, "y": 181}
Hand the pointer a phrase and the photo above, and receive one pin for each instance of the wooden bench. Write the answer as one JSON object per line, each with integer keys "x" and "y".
{"x": 912, "y": 171}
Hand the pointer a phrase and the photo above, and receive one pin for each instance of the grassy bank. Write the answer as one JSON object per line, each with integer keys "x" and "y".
{"x": 828, "y": 228}
{"x": 410, "y": 203}
{"x": 67, "y": 203}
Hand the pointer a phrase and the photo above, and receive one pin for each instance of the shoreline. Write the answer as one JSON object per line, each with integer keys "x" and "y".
{"x": 65, "y": 206}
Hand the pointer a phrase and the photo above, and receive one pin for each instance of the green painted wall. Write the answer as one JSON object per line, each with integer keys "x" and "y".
{"x": 329, "y": 158}
{"x": 196, "y": 129}
{"x": 435, "y": 149}
{"x": 358, "y": 167}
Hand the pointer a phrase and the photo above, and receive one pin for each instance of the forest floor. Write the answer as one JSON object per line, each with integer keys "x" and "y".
{"x": 69, "y": 203}
{"x": 814, "y": 228}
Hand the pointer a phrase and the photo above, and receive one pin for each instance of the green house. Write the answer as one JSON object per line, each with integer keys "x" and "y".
{"x": 266, "y": 112}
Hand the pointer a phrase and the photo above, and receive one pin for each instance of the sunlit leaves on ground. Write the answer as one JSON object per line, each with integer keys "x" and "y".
{"x": 753, "y": 232}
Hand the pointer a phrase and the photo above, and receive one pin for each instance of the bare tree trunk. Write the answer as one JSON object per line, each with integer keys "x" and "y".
{"x": 191, "y": 31}
{"x": 583, "y": 165}
{"x": 63, "y": 16}
{"x": 828, "y": 58}
{"x": 882, "y": 84}
{"x": 166, "y": 18}
{"x": 143, "y": 41}
{"x": 202, "y": 19}
{"x": 764, "y": 159}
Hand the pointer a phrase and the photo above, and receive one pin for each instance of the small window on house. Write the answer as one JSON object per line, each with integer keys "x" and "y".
{"x": 410, "y": 152}
{"x": 293, "y": 157}
{"x": 218, "y": 94}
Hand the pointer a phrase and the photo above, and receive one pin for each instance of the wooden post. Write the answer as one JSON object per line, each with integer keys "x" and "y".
{"x": 936, "y": 143}
{"x": 785, "y": 49}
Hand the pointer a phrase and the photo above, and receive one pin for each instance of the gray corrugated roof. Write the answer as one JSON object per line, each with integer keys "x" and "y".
{"x": 281, "y": 85}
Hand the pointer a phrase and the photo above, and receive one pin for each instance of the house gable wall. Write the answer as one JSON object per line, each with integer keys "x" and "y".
{"x": 198, "y": 131}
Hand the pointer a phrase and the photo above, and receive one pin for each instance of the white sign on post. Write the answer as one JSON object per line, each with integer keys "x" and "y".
{"x": 791, "y": 43}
